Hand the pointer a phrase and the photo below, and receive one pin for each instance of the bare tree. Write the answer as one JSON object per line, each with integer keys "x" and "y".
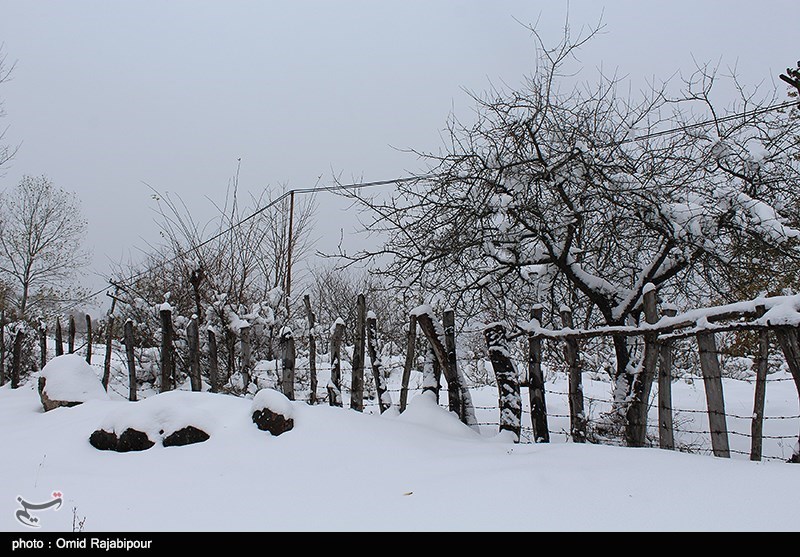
{"x": 41, "y": 244}
{"x": 573, "y": 193}
{"x": 6, "y": 151}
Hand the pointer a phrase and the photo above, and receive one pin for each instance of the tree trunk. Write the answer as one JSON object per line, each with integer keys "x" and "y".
{"x": 510, "y": 400}
{"x": 335, "y": 384}
{"x": 131, "y": 361}
{"x": 71, "y": 335}
{"x": 166, "y": 350}
{"x": 636, "y": 415}
{"x": 541, "y": 432}
{"x": 88, "y": 339}
{"x": 357, "y": 380}
{"x": 577, "y": 417}
{"x": 312, "y": 349}
{"x": 384, "y": 401}
{"x": 193, "y": 340}
{"x": 213, "y": 365}
{"x": 409, "y": 363}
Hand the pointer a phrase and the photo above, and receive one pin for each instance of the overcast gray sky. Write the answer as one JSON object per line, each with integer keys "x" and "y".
{"x": 107, "y": 96}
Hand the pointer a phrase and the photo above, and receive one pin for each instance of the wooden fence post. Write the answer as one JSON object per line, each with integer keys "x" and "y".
{"x": 790, "y": 346}
{"x": 286, "y": 340}
{"x": 42, "y": 344}
{"x": 107, "y": 358}
{"x": 541, "y": 431}
{"x": 213, "y": 362}
{"x": 357, "y": 379}
{"x": 577, "y": 416}
{"x": 71, "y": 334}
{"x": 312, "y": 349}
{"x": 244, "y": 343}
{"x": 762, "y": 367}
{"x": 59, "y": 338}
{"x": 88, "y": 339}
{"x": 431, "y": 373}
{"x": 636, "y": 415}
{"x": 409, "y": 363}
{"x": 384, "y": 400}
{"x": 193, "y": 340}
{"x": 166, "y": 348}
{"x": 459, "y": 397}
{"x": 712, "y": 380}
{"x": 510, "y": 400}
{"x": 2, "y": 347}
{"x": 335, "y": 384}
{"x": 131, "y": 362}
{"x": 16, "y": 362}
{"x": 666, "y": 433}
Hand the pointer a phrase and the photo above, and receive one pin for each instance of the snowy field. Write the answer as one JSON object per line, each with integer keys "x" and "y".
{"x": 422, "y": 470}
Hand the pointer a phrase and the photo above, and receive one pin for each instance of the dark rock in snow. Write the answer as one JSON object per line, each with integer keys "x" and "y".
{"x": 275, "y": 423}
{"x": 104, "y": 440}
{"x": 133, "y": 440}
{"x": 185, "y": 436}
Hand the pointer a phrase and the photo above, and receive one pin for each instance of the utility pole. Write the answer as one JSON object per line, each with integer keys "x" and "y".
{"x": 289, "y": 251}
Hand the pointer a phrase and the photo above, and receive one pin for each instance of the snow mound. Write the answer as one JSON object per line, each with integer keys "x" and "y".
{"x": 163, "y": 414}
{"x": 67, "y": 381}
{"x": 423, "y": 410}
{"x": 276, "y": 402}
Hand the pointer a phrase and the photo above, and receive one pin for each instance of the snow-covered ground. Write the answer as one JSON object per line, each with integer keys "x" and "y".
{"x": 341, "y": 470}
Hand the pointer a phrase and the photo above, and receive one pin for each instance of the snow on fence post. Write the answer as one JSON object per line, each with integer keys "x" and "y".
{"x": 244, "y": 345}
{"x": 541, "y": 432}
{"x": 510, "y": 400}
{"x": 759, "y": 398}
{"x": 384, "y": 400}
{"x": 636, "y": 415}
{"x": 59, "y": 338}
{"x": 88, "y": 339}
{"x": 790, "y": 346}
{"x": 431, "y": 373}
{"x": 335, "y": 383}
{"x": 666, "y": 433}
{"x": 577, "y": 416}
{"x": 286, "y": 343}
{"x": 16, "y": 361}
{"x": 71, "y": 335}
{"x": 312, "y": 349}
{"x": 130, "y": 357}
{"x": 213, "y": 362}
{"x": 712, "y": 380}
{"x": 409, "y": 363}
{"x": 193, "y": 340}
{"x": 357, "y": 379}
{"x": 459, "y": 398}
{"x": 166, "y": 347}
{"x": 42, "y": 343}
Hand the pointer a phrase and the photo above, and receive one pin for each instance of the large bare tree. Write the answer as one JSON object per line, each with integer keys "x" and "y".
{"x": 42, "y": 232}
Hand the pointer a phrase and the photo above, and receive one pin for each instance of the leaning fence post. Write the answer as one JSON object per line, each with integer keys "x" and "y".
{"x": 384, "y": 400}
{"x": 666, "y": 434}
{"x": 577, "y": 417}
{"x": 286, "y": 340}
{"x": 790, "y": 346}
{"x": 131, "y": 363}
{"x": 88, "y": 339}
{"x": 42, "y": 343}
{"x": 357, "y": 378}
{"x": 508, "y": 390}
{"x": 335, "y": 384}
{"x": 431, "y": 373}
{"x": 762, "y": 366}
{"x": 107, "y": 358}
{"x": 16, "y": 362}
{"x": 193, "y": 340}
{"x": 409, "y": 363}
{"x": 312, "y": 349}
{"x": 71, "y": 334}
{"x": 166, "y": 348}
{"x": 541, "y": 432}
{"x": 636, "y": 415}
{"x": 712, "y": 380}
{"x": 59, "y": 338}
